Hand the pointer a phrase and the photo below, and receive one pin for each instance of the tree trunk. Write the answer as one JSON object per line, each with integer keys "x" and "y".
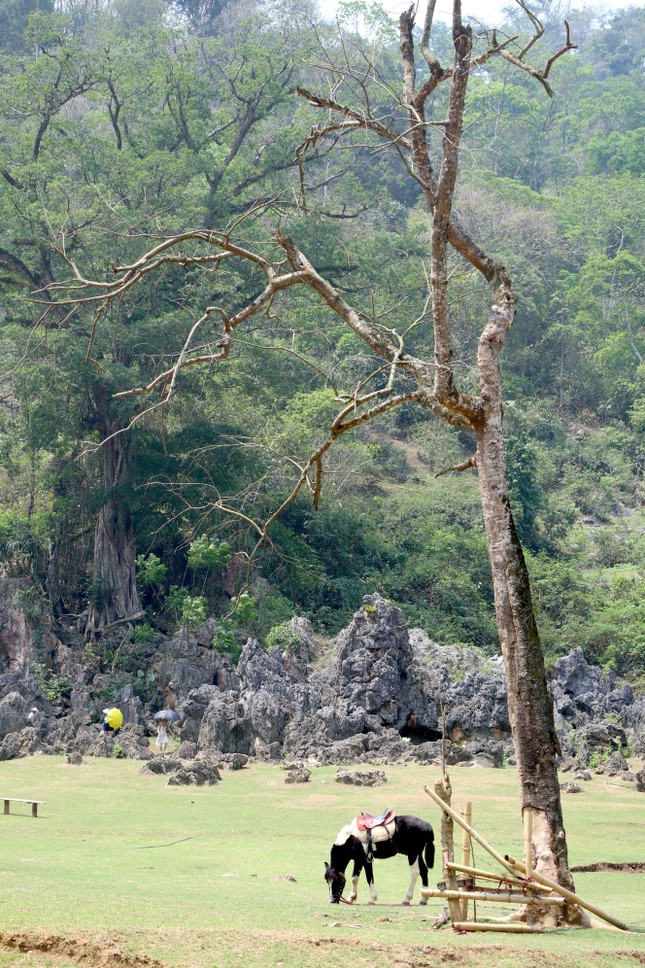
{"x": 115, "y": 595}
{"x": 530, "y": 704}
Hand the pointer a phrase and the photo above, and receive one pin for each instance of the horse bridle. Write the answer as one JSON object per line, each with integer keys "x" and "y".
{"x": 337, "y": 876}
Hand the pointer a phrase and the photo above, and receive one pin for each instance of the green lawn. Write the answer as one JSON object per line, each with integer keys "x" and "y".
{"x": 118, "y": 868}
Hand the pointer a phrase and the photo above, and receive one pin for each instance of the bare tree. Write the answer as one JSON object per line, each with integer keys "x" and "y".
{"x": 400, "y": 376}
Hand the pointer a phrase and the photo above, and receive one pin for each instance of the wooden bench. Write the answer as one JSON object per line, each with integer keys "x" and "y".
{"x": 34, "y": 804}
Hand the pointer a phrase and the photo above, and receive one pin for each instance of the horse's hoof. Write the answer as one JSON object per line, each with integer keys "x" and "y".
{"x": 405, "y": 904}
{"x": 423, "y": 902}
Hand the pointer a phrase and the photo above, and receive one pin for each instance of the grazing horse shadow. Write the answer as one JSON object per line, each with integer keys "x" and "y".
{"x": 366, "y": 838}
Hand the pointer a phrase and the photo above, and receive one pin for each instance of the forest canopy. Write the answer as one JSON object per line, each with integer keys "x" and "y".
{"x": 124, "y": 123}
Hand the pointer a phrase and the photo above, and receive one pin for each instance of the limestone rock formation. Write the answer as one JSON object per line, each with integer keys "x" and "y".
{"x": 361, "y": 777}
{"x": 379, "y": 694}
{"x": 583, "y": 693}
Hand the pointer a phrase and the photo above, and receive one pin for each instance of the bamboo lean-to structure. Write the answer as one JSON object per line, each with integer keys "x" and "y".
{"x": 530, "y": 886}
{"x": 457, "y": 897}
{"x": 569, "y": 895}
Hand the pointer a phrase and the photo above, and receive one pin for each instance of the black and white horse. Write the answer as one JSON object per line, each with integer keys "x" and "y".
{"x": 401, "y": 835}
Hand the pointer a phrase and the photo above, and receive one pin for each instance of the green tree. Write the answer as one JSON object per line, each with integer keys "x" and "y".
{"x": 114, "y": 127}
{"x": 14, "y": 19}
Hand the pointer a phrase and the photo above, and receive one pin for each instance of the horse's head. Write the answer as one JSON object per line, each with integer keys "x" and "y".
{"x": 336, "y": 882}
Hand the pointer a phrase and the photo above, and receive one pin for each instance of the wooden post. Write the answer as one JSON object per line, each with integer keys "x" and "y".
{"x": 443, "y": 793}
{"x": 465, "y": 853}
{"x": 527, "y": 817}
{"x": 473, "y": 833}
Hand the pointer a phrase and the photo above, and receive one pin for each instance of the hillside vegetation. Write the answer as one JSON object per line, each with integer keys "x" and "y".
{"x": 129, "y": 122}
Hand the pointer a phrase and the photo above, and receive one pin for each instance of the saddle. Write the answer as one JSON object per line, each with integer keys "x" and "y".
{"x": 365, "y": 821}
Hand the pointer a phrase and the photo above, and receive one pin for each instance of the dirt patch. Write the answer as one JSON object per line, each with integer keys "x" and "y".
{"x": 628, "y": 868}
{"x": 77, "y": 950}
{"x": 430, "y": 956}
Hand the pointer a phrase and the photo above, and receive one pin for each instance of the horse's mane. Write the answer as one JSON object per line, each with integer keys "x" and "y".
{"x": 344, "y": 834}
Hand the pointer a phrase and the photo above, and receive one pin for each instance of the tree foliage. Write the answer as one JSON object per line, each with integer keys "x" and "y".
{"x": 122, "y": 126}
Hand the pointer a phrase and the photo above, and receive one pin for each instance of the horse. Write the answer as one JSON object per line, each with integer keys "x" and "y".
{"x": 366, "y": 838}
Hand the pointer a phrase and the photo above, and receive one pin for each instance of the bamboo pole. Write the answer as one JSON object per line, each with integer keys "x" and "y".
{"x": 519, "y": 882}
{"x": 473, "y": 833}
{"x": 570, "y": 896}
{"x": 527, "y": 818}
{"x": 506, "y": 897}
{"x": 465, "y": 853}
{"x": 443, "y": 794}
{"x": 505, "y": 928}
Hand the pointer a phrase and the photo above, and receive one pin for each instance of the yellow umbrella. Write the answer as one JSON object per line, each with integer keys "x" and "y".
{"x": 114, "y": 718}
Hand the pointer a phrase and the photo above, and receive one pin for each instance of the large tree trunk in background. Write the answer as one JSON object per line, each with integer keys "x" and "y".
{"x": 115, "y": 595}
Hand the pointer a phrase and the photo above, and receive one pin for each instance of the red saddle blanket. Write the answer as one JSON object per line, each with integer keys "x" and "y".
{"x": 365, "y": 821}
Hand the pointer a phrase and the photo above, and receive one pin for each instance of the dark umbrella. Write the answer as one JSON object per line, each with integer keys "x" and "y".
{"x": 169, "y": 715}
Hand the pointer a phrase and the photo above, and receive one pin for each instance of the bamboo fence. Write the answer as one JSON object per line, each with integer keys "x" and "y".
{"x": 520, "y": 884}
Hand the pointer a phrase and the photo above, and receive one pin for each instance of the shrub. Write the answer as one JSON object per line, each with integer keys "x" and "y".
{"x": 53, "y": 687}
{"x": 150, "y": 571}
{"x": 244, "y": 610}
{"x": 189, "y": 610}
{"x": 282, "y": 637}
{"x": 143, "y": 634}
{"x": 208, "y": 553}
{"x": 226, "y": 641}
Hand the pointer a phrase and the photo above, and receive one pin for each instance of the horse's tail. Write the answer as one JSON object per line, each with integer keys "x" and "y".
{"x": 429, "y": 849}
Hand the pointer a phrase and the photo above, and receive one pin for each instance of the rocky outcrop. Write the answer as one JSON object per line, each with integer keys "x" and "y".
{"x": 361, "y": 777}
{"x": 189, "y": 661}
{"x": 633, "y": 718}
{"x": 297, "y": 773}
{"x": 21, "y": 743}
{"x": 202, "y": 770}
{"x": 371, "y": 679}
{"x": 193, "y": 709}
{"x": 371, "y": 689}
{"x": 583, "y": 693}
{"x": 614, "y": 766}
{"x": 380, "y": 694}
{"x": 225, "y": 725}
{"x": 16, "y": 630}
{"x": 375, "y": 700}
{"x": 13, "y": 714}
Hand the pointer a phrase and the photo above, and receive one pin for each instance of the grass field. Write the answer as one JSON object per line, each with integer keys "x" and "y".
{"x": 119, "y": 869}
